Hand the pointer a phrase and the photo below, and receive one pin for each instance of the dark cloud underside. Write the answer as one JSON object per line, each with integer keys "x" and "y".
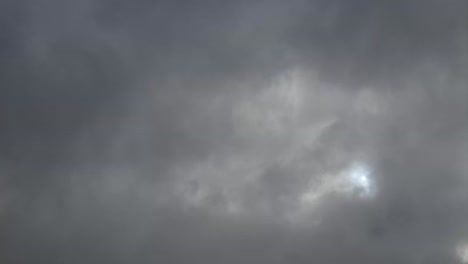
{"x": 233, "y": 131}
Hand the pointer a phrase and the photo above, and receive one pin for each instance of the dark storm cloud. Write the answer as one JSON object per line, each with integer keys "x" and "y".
{"x": 162, "y": 131}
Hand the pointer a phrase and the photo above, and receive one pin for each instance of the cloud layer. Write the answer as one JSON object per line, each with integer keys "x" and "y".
{"x": 234, "y": 131}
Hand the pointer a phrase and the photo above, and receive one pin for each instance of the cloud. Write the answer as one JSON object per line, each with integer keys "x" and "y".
{"x": 142, "y": 132}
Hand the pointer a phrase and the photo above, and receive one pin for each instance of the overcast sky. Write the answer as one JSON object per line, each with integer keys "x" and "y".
{"x": 287, "y": 132}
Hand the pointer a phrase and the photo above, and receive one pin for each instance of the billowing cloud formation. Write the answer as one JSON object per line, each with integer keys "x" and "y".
{"x": 233, "y": 131}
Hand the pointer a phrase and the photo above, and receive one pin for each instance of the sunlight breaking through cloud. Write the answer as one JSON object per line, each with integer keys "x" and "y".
{"x": 360, "y": 177}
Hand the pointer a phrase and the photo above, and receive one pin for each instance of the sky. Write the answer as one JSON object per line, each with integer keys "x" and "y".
{"x": 260, "y": 131}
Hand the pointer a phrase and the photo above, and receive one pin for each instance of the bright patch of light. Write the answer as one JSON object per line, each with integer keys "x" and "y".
{"x": 360, "y": 178}
{"x": 355, "y": 179}
{"x": 462, "y": 252}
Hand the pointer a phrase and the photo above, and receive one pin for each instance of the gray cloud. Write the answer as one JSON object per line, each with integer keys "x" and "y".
{"x": 235, "y": 131}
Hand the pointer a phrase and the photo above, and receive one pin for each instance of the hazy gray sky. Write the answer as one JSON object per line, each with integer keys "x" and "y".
{"x": 289, "y": 132}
